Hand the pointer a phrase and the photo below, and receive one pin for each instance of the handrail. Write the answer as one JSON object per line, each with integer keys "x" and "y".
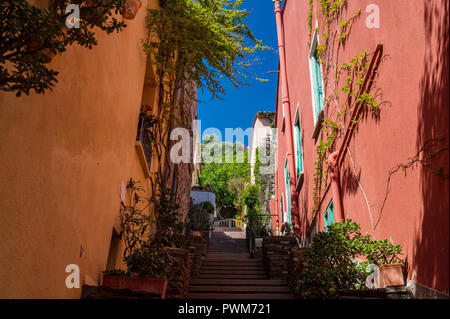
{"x": 229, "y": 223}
{"x": 145, "y": 140}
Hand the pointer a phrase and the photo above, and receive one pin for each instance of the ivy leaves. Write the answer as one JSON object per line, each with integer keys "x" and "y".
{"x": 31, "y": 35}
{"x": 201, "y": 41}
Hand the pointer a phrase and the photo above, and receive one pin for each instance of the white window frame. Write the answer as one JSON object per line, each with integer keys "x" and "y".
{"x": 297, "y": 119}
{"x": 314, "y": 43}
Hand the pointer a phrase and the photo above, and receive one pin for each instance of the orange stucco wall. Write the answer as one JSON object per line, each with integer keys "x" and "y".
{"x": 64, "y": 155}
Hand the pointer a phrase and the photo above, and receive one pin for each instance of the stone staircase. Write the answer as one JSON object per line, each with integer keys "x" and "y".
{"x": 228, "y": 272}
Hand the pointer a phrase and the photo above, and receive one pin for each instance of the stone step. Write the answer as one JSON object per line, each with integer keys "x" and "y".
{"x": 237, "y": 265}
{"x": 236, "y": 251}
{"x": 239, "y": 282}
{"x": 239, "y": 289}
{"x": 200, "y": 295}
{"x": 233, "y": 267}
{"x": 235, "y": 272}
{"x": 231, "y": 276}
{"x": 231, "y": 256}
{"x": 233, "y": 261}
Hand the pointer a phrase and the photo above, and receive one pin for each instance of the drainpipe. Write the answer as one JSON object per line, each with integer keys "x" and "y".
{"x": 333, "y": 169}
{"x": 287, "y": 112}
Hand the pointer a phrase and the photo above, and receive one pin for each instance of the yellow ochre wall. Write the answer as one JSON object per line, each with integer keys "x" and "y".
{"x": 63, "y": 157}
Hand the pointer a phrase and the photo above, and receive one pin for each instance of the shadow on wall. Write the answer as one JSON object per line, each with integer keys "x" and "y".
{"x": 348, "y": 180}
{"x": 303, "y": 207}
{"x": 432, "y": 235}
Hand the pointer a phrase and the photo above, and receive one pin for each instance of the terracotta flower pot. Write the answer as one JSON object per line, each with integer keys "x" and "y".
{"x": 151, "y": 285}
{"x": 390, "y": 275}
{"x": 196, "y": 233}
{"x": 131, "y": 9}
{"x": 258, "y": 242}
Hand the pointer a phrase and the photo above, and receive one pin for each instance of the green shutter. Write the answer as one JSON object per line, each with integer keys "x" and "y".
{"x": 317, "y": 86}
{"x": 298, "y": 144}
{"x": 328, "y": 216}
{"x": 288, "y": 192}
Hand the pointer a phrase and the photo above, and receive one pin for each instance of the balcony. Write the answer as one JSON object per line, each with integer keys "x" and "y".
{"x": 144, "y": 143}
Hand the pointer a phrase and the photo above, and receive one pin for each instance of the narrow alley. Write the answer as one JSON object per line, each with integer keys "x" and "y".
{"x": 224, "y": 149}
{"x": 228, "y": 272}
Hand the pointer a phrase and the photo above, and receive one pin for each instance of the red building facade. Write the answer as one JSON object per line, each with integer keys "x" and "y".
{"x": 362, "y": 126}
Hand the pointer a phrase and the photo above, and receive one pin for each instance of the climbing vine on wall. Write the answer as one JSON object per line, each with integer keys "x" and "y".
{"x": 194, "y": 45}
{"x": 346, "y": 85}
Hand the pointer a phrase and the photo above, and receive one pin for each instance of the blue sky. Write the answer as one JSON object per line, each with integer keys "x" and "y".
{"x": 239, "y": 106}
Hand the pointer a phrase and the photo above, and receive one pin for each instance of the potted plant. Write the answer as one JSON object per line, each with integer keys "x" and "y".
{"x": 198, "y": 219}
{"x": 286, "y": 229}
{"x": 148, "y": 264}
{"x": 385, "y": 255}
{"x": 147, "y": 271}
{"x": 329, "y": 266}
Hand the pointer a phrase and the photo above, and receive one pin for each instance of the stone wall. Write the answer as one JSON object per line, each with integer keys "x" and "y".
{"x": 295, "y": 266}
{"x": 99, "y": 292}
{"x": 180, "y": 273}
{"x": 276, "y": 252}
{"x": 383, "y": 293}
{"x": 199, "y": 244}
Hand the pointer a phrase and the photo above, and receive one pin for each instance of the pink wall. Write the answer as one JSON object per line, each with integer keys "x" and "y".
{"x": 414, "y": 79}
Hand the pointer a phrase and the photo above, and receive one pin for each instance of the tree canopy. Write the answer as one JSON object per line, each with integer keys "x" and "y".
{"x": 26, "y": 31}
{"x": 219, "y": 173}
{"x": 201, "y": 41}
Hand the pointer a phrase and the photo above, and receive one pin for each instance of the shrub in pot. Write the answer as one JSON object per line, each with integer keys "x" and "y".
{"x": 386, "y": 256}
{"x": 333, "y": 263}
{"x": 198, "y": 217}
{"x": 148, "y": 269}
{"x": 148, "y": 264}
{"x": 330, "y": 264}
{"x": 286, "y": 229}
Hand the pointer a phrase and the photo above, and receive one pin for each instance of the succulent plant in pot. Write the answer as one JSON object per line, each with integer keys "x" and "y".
{"x": 147, "y": 265}
{"x": 148, "y": 269}
{"x": 286, "y": 229}
{"x": 149, "y": 262}
{"x": 386, "y": 256}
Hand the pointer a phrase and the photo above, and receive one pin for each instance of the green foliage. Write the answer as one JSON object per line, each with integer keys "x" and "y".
{"x": 286, "y": 228}
{"x": 144, "y": 251}
{"x": 169, "y": 228}
{"x": 22, "y": 65}
{"x": 134, "y": 218}
{"x": 354, "y": 73}
{"x": 381, "y": 252}
{"x": 264, "y": 174}
{"x": 225, "y": 168}
{"x": 332, "y": 262}
{"x": 258, "y": 225}
{"x": 198, "y": 217}
{"x": 250, "y": 196}
{"x": 309, "y": 19}
{"x": 235, "y": 186}
{"x": 149, "y": 262}
{"x": 202, "y": 41}
{"x": 117, "y": 272}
